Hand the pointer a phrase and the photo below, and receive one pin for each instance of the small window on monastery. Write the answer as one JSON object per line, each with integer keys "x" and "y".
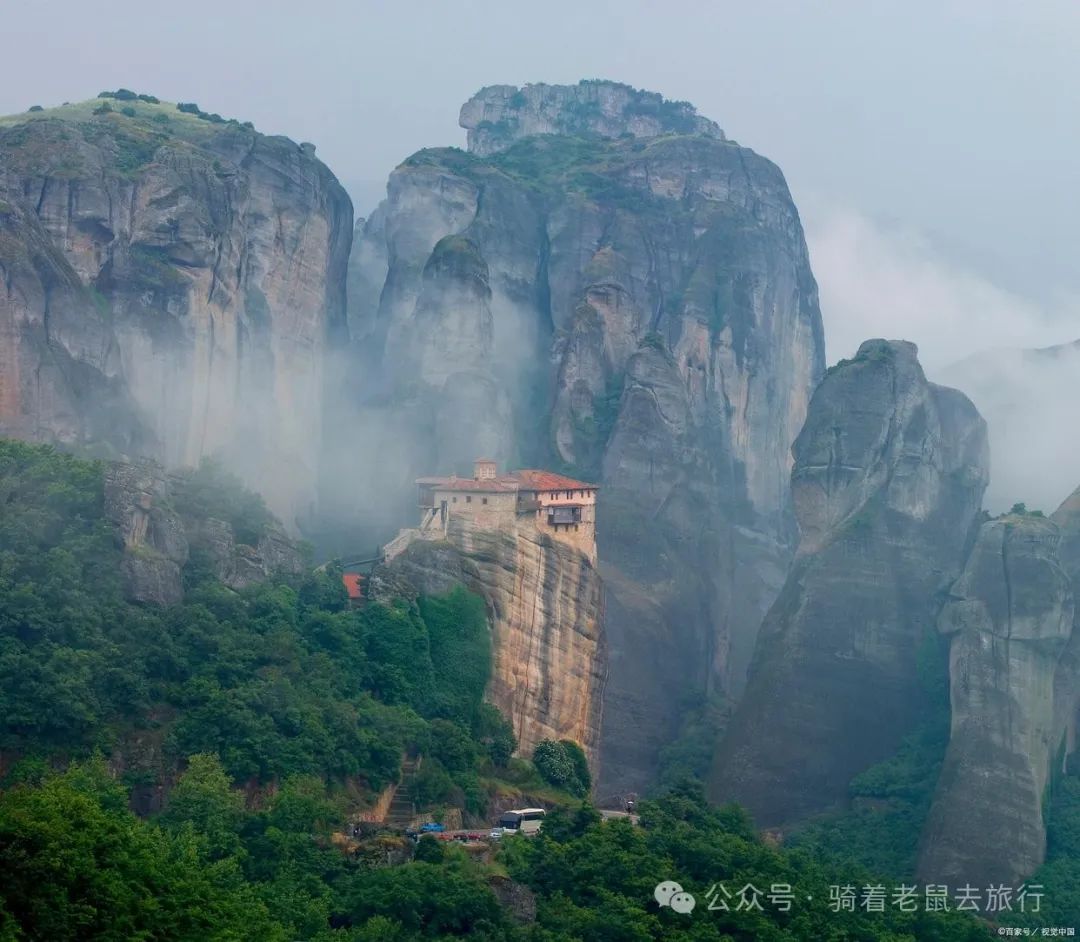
{"x": 483, "y": 500}
{"x": 455, "y": 500}
{"x": 468, "y": 498}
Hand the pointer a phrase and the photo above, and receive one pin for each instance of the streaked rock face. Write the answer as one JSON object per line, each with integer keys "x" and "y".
{"x": 888, "y": 479}
{"x": 169, "y": 289}
{"x": 1015, "y": 691}
{"x": 654, "y": 327}
{"x": 1008, "y": 617}
{"x": 545, "y": 608}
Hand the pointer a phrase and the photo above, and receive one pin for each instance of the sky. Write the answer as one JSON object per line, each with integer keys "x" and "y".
{"x": 931, "y": 146}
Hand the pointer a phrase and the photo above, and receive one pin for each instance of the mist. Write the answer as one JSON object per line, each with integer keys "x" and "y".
{"x": 1012, "y": 355}
{"x": 913, "y": 175}
{"x": 1028, "y": 398}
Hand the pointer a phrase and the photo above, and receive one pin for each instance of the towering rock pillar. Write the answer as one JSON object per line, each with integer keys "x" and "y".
{"x": 888, "y": 479}
{"x": 654, "y": 327}
{"x": 1008, "y": 618}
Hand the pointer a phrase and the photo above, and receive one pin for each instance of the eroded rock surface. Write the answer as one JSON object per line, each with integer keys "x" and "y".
{"x": 154, "y": 537}
{"x": 888, "y": 480}
{"x": 158, "y": 541}
{"x": 545, "y": 607}
{"x": 170, "y": 287}
{"x": 1008, "y": 618}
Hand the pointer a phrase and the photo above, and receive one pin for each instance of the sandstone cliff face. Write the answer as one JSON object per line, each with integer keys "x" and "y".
{"x": 1008, "y": 618}
{"x": 545, "y": 608}
{"x": 889, "y": 475}
{"x": 140, "y": 502}
{"x": 654, "y": 326}
{"x": 168, "y": 287}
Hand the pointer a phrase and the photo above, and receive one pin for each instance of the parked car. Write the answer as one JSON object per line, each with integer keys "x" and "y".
{"x": 432, "y": 827}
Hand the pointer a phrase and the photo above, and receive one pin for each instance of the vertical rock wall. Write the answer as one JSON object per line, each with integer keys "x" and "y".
{"x": 888, "y": 480}
{"x": 169, "y": 287}
{"x": 1008, "y": 618}
{"x": 546, "y": 610}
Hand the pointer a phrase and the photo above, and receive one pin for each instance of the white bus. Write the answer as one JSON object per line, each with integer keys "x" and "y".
{"x": 522, "y": 821}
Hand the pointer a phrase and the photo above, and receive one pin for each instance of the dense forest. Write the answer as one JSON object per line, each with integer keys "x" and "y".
{"x": 193, "y": 772}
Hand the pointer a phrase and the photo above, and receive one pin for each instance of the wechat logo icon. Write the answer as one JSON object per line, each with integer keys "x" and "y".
{"x": 669, "y": 893}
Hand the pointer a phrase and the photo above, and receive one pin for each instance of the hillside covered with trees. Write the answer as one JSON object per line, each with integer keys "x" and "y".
{"x": 191, "y": 772}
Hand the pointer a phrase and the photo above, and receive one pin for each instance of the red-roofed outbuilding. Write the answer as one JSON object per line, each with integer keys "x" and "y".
{"x": 354, "y": 587}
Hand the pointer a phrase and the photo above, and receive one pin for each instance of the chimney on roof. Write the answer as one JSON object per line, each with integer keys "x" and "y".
{"x": 484, "y": 469}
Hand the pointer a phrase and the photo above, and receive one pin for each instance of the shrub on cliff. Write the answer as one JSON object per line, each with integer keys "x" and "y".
{"x": 563, "y": 764}
{"x": 211, "y": 491}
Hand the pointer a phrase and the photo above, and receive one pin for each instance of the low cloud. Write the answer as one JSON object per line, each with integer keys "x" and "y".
{"x": 883, "y": 280}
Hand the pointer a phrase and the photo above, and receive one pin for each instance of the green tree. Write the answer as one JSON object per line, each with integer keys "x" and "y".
{"x": 460, "y": 647}
{"x": 431, "y": 900}
{"x": 452, "y": 745}
{"x": 78, "y": 867}
{"x": 429, "y": 850}
{"x": 563, "y": 765}
{"x": 205, "y": 801}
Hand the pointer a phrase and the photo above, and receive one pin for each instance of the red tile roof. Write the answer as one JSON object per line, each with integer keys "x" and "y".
{"x": 532, "y": 480}
{"x": 354, "y": 584}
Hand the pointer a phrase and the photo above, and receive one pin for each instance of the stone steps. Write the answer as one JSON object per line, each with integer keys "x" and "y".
{"x": 402, "y": 808}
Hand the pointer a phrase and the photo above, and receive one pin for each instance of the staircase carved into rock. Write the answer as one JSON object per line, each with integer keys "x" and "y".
{"x": 402, "y": 807}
